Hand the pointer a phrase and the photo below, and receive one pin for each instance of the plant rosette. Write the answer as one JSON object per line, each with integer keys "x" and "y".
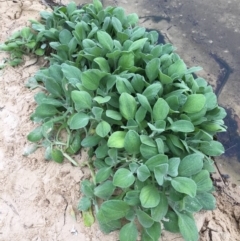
{"x": 148, "y": 123}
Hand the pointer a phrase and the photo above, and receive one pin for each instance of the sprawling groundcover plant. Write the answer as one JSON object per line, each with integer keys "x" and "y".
{"x": 148, "y": 124}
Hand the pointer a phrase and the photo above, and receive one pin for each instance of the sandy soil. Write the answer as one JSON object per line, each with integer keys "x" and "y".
{"x": 38, "y": 199}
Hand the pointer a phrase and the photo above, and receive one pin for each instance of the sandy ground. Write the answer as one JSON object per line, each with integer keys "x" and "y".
{"x": 38, "y": 199}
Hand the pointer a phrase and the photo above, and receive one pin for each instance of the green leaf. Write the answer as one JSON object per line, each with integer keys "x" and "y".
{"x": 212, "y": 148}
{"x": 144, "y": 102}
{"x": 158, "y": 212}
{"x": 103, "y": 128}
{"x": 194, "y": 103}
{"x": 154, "y": 232}
{"x": 143, "y": 173}
{"x": 108, "y": 227}
{"x": 184, "y": 185}
{"x": 72, "y": 73}
{"x": 132, "y": 142}
{"x": 140, "y": 114}
{"x": 78, "y": 120}
{"x": 82, "y": 100}
{"x": 144, "y": 219}
{"x": 112, "y": 210}
{"x": 160, "y": 110}
{"x": 87, "y": 188}
{"x": 103, "y": 174}
{"x": 149, "y": 196}
{"x": 132, "y": 18}
{"x": 116, "y": 140}
{"x": 115, "y": 115}
{"x": 190, "y": 165}
{"x": 165, "y": 79}
{"x": 207, "y": 200}
{"x": 97, "y": 112}
{"x": 57, "y": 155}
{"x": 65, "y": 36}
{"x": 123, "y": 178}
{"x": 104, "y": 190}
{"x": 91, "y": 78}
{"x": 35, "y": 135}
{"x": 84, "y": 204}
{"x": 102, "y": 100}
{"x": 53, "y": 87}
{"x": 105, "y": 40}
{"x": 127, "y": 106}
{"x": 191, "y": 204}
{"x": 90, "y": 141}
{"x": 171, "y": 222}
{"x": 159, "y": 173}
{"x": 132, "y": 198}
{"x": 42, "y": 111}
{"x": 152, "y": 69}
{"x": 128, "y": 232}
{"x": 203, "y": 181}
{"x": 173, "y": 164}
{"x": 187, "y": 227}
{"x": 156, "y": 161}
{"x": 103, "y": 64}
{"x": 182, "y": 126}
{"x": 117, "y": 24}
{"x": 138, "y": 33}
{"x": 126, "y": 61}
{"x": 97, "y": 5}
{"x": 138, "y": 44}
{"x": 152, "y": 91}
{"x": 178, "y": 68}
{"x": 88, "y": 218}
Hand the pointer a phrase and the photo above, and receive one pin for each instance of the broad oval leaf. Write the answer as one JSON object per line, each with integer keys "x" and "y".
{"x": 178, "y": 68}
{"x": 105, "y": 40}
{"x": 155, "y": 161}
{"x": 144, "y": 102}
{"x": 158, "y": 212}
{"x": 104, "y": 190}
{"x": 144, "y": 219}
{"x": 190, "y": 165}
{"x": 149, "y": 196}
{"x": 103, "y": 128}
{"x": 187, "y": 227}
{"x": 194, "y": 103}
{"x": 103, "y": 174}
{"x": 152, "y": 69}
{"x": 82, "y": 100}
{"x": 127, "y": 106}
{"x": 160, "y": 110}
{"x": 132, "y": 142}
{"x": 212, "y": 148}
{"x": 152, "y": 91}
{"x": 91, "y": 78}
{"x": 113, "y": 210}
{"x": 184, "y": 185}
{"x": 143, "y": 173}
{"x": 207, "y": 200}
{"x": 203, "y": 181}
{"x": 126, "y": 61}
{"x": 182, "y": 126}
{"x": 159, "y": 173}
{"x": 35, "y": 135}
{"x": 78, "y": 120}
{"x": 138, "y": 44}
{"x": 116, "y": 140}
{"x": 128, "y": 232}
{"x": 123, "y": 178}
